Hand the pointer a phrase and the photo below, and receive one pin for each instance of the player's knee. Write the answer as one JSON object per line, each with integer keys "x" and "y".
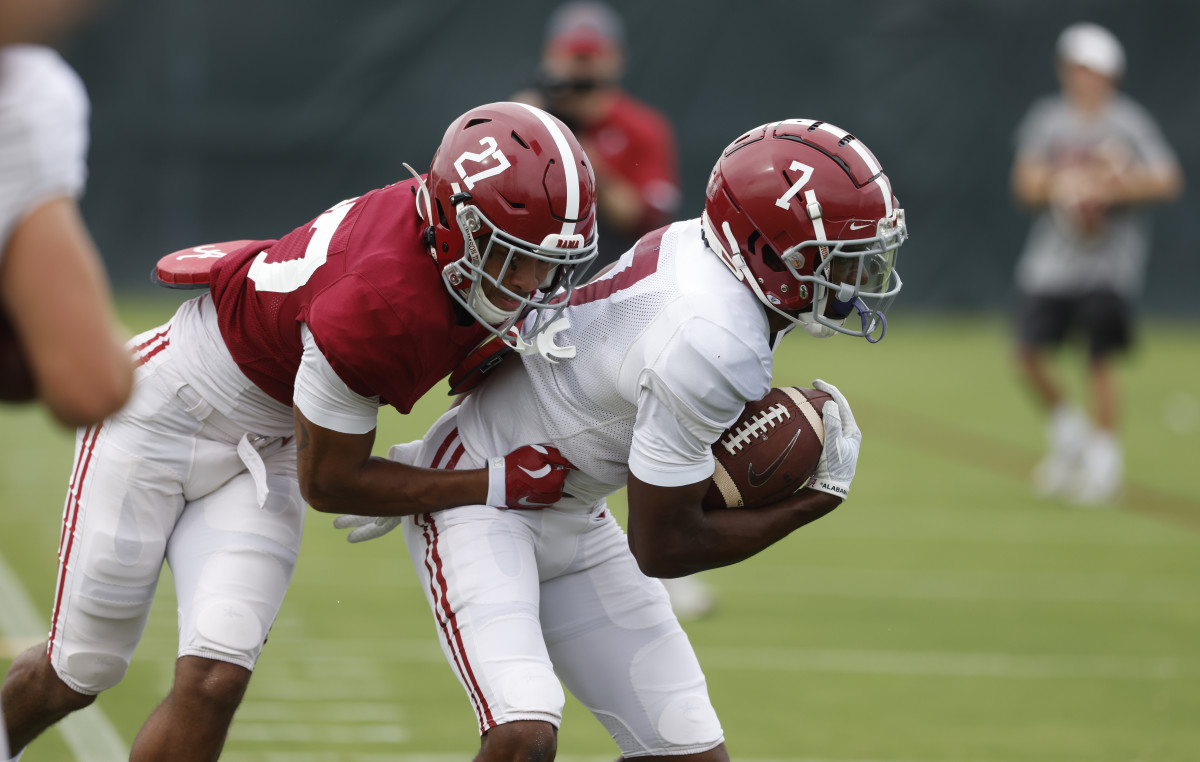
{"x": 681, "y": 712}
{"x": 533, "y": 689}
{"x": 32, "y": 674}
{"x": 92, "y": 672}
{"x": 231, "y": 628}
{"x": 527, "y": 740}
{"x": 214, "y": 687}
{"x": 689, "y": 721}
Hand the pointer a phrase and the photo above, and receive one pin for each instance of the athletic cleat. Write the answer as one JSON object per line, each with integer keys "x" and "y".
{"x": 1066, "y": 438}
{"x": 1099, "y": 478}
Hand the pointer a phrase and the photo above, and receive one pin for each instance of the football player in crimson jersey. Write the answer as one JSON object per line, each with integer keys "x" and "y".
{"x": 800, "y": 227}
{"x": 265, "y": 391}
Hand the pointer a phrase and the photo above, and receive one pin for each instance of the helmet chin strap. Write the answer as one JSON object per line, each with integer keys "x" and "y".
{"x": 809, "y": 319}
{"x": 737, "y": 263}
{"x": 489, "y": 311}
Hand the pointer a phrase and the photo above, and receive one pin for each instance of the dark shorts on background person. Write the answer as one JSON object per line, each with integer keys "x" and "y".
{"x": 1104, "y": 318}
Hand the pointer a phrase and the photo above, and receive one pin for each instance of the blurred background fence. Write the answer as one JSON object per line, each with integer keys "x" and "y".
{"x": 223, "y": 119}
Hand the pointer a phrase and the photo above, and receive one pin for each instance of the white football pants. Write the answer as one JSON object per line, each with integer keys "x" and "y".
{"x": 168, "y": 477}
{"x": 524, "y": 599}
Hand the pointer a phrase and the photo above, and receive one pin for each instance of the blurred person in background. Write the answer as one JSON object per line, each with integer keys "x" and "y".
{"x": 632, "y": 148}
{"x": 631, "y": 144}
{"x": 1089, "y": 160}
{"x": 264, "y": 392}
{"x": 60, "y": 341}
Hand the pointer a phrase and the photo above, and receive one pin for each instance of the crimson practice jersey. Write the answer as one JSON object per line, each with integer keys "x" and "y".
{"x": 361, "y": 280}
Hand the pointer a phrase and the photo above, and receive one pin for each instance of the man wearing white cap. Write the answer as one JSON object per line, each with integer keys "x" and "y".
{"x": 1088, "y": 162}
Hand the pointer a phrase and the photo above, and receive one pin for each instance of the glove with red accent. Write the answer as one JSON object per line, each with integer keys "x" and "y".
{"x": 530, "y": 477}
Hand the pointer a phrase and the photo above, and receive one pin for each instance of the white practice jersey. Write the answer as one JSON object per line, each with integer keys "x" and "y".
{"x": 43, "y": 132}
{"x": 670, "y": 347}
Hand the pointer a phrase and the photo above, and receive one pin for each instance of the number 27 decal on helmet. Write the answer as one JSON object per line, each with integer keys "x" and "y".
{"x": 801, "y": 211}
{"x": 510, "y": 184}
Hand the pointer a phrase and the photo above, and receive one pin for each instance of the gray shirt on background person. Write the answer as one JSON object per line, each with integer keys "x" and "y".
{"x": 1058, "y": 259}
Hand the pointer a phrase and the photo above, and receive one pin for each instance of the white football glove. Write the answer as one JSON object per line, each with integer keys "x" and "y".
{"x": 363, "y": 528}
{"x": 835, "y": 469}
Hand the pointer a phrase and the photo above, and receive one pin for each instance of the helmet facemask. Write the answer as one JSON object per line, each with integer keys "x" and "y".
{"x": 851, "y": 276}
{"x": 486, "y": 244}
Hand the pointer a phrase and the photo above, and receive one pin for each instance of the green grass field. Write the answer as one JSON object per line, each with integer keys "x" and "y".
{"x": 944, "y": 614}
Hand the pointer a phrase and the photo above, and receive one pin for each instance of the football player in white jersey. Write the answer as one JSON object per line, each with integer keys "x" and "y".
{"x": 800, "y": 227}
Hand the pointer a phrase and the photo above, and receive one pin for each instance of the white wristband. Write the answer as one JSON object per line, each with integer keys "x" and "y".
{"x": 496, "y": 483}
{"x": 829, "y": 487}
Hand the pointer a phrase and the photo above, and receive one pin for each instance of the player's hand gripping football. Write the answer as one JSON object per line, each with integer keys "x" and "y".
{"x": 835, "y": 469}
{"x": 530, "y": 477}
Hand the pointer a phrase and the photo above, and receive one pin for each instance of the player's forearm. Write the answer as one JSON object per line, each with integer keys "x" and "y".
{"x": 1144, "y": 185}
{"x": 338, "y": 474}
{"x": 386, "y": 488}
{"x": 725, "y": 536}
{"x": 1031, "y": 184}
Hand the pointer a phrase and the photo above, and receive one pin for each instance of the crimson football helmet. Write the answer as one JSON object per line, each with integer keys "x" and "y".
{"x": 802, "y": 213}
{"x": 509, "y": 180}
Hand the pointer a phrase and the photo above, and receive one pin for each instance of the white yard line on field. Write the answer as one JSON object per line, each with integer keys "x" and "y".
{"x": 89, "y": 734}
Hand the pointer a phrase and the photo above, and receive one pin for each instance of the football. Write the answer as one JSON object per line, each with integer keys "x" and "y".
{"x": 770, "y": 451}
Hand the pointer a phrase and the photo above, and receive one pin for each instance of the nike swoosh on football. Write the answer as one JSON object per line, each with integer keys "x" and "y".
{"x": 538, "y": 474}
{"x": 757, "y": 480}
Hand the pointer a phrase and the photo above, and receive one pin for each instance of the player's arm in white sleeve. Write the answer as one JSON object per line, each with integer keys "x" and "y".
{"x": 54, "y": 292}
{"x": 685, "y": 402}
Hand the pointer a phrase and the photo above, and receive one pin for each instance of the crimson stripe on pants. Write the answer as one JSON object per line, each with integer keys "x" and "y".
{"x": 71, "y": 518}
{"x": 448, "y": 622}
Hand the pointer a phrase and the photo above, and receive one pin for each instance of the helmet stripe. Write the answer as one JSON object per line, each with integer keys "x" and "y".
{"x": 567, "y": 160}
{"x": 818, "y": 224}
{"x": 866, "y": 156}
{"x": 882, "y": 182}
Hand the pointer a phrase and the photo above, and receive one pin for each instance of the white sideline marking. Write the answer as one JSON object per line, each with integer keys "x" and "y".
{"x": 89, "y": 733}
